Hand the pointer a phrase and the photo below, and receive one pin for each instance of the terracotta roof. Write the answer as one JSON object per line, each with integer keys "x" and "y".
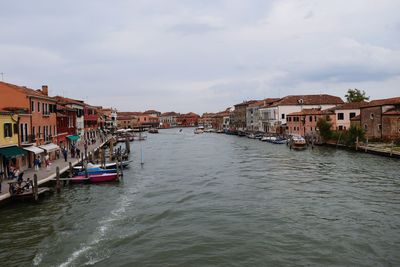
{"x": 393, "y": 111}
{"x": 310, "y": 111}
{"x": 382, "y": 102}
{"x": 351, "y": 105}
{"x": 246, "y": 103}
{"x": 26, "y": 90}
{"x": 321, "y": 99}
{"x": 129, "y": 113}
{"x": 151, "y": 111}
{"x": 65, "y": 100}
{"x": 172, "y": 113}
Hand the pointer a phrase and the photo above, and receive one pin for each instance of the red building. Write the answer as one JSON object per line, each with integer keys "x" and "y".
{"x": 187, "y": 120}
{"x": 90, "y": 121}
{"x": 66, "y": 121}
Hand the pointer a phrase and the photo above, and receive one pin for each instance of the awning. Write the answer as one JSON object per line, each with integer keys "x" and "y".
{"x": 12, "y": 152}
{"x": 50, "y": 147}
{"x": 73, "y": 137}
{"x": 34, "y": 149}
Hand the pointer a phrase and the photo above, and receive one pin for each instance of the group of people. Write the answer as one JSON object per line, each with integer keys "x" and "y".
{"x": 37, "y": 163}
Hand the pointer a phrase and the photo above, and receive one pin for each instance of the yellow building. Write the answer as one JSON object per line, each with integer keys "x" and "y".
{"x": 11, "y": 155}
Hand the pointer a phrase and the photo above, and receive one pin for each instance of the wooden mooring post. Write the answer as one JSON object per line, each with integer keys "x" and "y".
{"x": 58, "y": 183}
{"x": 111, "y": 152}
{"x": 357, "y": 143}
{"x": 35, "y": 188}
{"x": 127, "y": 145}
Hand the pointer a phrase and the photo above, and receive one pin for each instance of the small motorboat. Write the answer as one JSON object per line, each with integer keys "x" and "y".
{"x": 96, "y": 178}
{"x": 297, "y": 142}
{"x": 153, "y": 130}
{"x": 112, "y": 165}
{"x": 251, "y": 136}
{"x": 199, "y": 130}
{"x": 280, "y": 141}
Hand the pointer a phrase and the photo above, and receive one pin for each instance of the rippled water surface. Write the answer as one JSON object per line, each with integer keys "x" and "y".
{"x": 217, "y": 200}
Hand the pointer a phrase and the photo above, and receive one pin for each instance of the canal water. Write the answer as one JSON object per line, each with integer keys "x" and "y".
{"x": 217, "y": 200}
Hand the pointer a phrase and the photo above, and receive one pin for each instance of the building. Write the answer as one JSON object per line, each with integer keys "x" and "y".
{"x": 11, "y": 155}
{"x": 90, "y": 117}
{"x": 78, "y": 107}
{"x": 274, "y": 116}
{"x": 66, "y": 126}
{"x": 238, "y": 116}
{"x": 147, "y": 121}
{"x": 41, "y": 109}
{"x": 187, "y": 120}
{"x": 110, "y": 119}
{"x": 127, "y": 120}
{"x": 381, "y": 119}
{"x": 253, "y": 114}
{"x": 344, "y": 113}
{"x": 152, "y": 113}
{"x": 168, "y": 119}
{"x": 304, "y": 122}
{"x": 207, "y": 120}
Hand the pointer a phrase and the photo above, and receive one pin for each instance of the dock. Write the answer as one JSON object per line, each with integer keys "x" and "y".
{"x": 45, "y": 175}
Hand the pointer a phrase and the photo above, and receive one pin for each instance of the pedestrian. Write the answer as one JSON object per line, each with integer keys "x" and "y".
{"x": 65, "y": 154}
{"x": 36, "y": 164}
{"x": 78, "y": 153}
{"x": 86, "y": 147}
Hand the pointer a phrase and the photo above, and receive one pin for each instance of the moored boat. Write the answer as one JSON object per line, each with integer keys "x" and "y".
{"x": 199, "y": 130}
{"x": 297, "y": 142}
{"x": 96, "y": 178}
{"x": 153, "y": 130}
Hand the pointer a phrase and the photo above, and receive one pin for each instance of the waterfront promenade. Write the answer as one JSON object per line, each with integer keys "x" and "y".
{"x": 45, "y": 175}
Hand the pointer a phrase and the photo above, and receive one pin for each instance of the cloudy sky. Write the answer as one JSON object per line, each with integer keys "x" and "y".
{"x": 193, "y": 55}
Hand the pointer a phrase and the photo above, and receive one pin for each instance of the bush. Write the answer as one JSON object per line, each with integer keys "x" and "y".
{"x": 324, "y": 126}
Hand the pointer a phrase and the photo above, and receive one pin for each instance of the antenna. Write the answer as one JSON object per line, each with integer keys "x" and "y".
{"x": 2, "y": 76}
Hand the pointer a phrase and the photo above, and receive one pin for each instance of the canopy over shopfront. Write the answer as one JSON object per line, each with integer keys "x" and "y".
{"x": 36, "y": 150}
{"x": 50, "y": 147}
{"x": 12, "y": 152}
{"x": 73, "y": 137}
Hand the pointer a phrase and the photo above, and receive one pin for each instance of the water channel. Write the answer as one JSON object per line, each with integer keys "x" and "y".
{"x": 217, "y": 200}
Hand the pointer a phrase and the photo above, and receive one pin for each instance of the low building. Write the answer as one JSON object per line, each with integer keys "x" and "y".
{"x": 304, "y": 122}
{"x": 344, "y": 113}
{"x": 168, "y": 119}
{"x": 127, "y": 120}
{"x": 11, "y": 155}
{"x": 90, "y": 116}
{"x": 381, "y": 119}
{"x": 274, "y": 116}
{"x": 254, "y": 114}
{"x": 187, "y": 120}
{"x": 238, "y": 116}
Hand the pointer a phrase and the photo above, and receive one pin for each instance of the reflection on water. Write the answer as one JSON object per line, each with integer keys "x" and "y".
{"x": 206, "y": 200}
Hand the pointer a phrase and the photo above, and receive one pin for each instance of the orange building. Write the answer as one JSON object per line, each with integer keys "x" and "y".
{"x": 187, "y": 120}
{"x": 41, "y": 107}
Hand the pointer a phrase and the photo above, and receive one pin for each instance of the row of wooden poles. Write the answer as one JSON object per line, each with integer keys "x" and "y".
{"x": 85, "y": 159}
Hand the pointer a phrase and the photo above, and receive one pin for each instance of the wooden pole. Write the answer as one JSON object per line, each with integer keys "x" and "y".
{"x": 103, "y": 157}
{"x": 120, "y": 164}
{"x": 391, "y": 149}
{"x": 86, "y": 171}
{"x": 58, "y": 184}
{"x": 357, "y": 143}
{"x": 35, "y": 187}
{"x": 127, "y": 145}
{"x": 366, "y": 147}
{"x": 111, "y": 149}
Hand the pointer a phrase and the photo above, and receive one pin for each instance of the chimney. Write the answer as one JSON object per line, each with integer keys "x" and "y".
{"x": 45, "y": 90}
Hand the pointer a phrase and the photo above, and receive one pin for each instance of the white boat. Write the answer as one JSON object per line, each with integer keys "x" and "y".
{"x": 199, "y": 130}
{"x": 268, "y": 139}
{"x": 111, "y": 165}
{"x": 297, "y": 142}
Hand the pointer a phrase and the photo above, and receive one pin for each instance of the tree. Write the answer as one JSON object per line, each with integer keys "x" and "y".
{"x": 354, "y": 133}
{"x": 356, "y": 95}
{"x": 324, "y": 126}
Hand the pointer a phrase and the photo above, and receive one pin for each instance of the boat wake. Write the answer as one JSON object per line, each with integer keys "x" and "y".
{"x": 99, "y": 236}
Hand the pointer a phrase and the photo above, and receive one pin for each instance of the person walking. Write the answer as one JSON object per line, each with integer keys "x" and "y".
{"x": 36, "y": 164}
{"x": 78, "y": 153}
{"x": 65, "y": 154}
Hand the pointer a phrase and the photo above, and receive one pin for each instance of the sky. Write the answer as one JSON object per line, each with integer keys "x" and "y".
{"x": 200, "y": 56}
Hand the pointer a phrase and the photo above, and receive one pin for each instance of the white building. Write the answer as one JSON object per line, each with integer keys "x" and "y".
{"x": 274, "y": 116}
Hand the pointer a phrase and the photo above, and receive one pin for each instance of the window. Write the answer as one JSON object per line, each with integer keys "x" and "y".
{"x": 340, "y": 116}
{"x": 352, "y": 115}
{"x": 371, "y": 116}
{"x": 289, "y": 118}
{"x": 311, "y": 121}
{"x": 340, "y": 128}
{"x": 283, "y": 116}
{"x": 38, "y": 106}
{"x": 32, "y": 106}
{"x": 33, "y": 131}
{"x": 43, "y": 111}
{"x": 22, "y": 133}
{"x": 365, "y": 127}
{"x": 380, "y": 127}
{"x": 7, "y": 130}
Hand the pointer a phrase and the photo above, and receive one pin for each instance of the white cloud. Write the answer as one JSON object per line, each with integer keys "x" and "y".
{"x": 200, "y": 55}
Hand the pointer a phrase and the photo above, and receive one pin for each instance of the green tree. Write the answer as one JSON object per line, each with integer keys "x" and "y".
{"x": 356, "y": 95}
{"x": 353, "y": 133}
{"x": 324, "y": 126}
